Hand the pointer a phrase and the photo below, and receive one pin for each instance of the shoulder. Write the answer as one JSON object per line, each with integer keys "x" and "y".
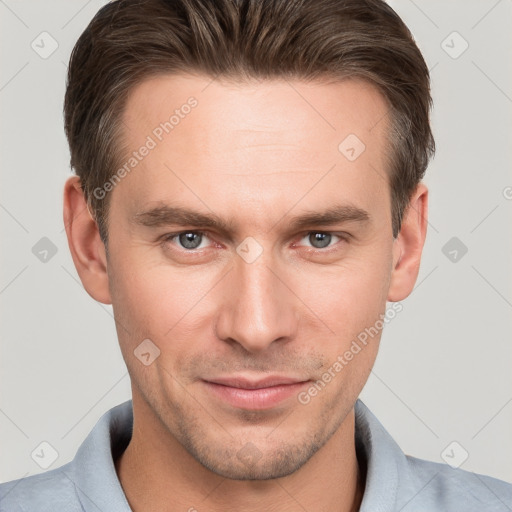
{"x": 438, "y": 486}
{"x": 396, "y": 481}
{"x": 45, "y": 492}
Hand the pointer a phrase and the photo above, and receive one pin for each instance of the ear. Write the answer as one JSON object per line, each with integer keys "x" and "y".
{"x": 87, "y": 249}
{"x": 408, "y": 246}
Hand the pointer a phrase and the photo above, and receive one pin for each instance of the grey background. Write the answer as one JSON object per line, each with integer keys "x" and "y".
{"x": 444, "y": 369}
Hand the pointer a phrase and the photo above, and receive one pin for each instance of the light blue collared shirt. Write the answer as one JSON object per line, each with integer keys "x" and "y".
{"x": 394, "y": 481}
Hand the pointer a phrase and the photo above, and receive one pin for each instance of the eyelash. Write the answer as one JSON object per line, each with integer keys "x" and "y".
{"x": 342, "y": 236}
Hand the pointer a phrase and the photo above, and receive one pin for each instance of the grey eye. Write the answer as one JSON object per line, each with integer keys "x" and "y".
{"x": 320, "y": 240}
{"x": 190, "y": 240}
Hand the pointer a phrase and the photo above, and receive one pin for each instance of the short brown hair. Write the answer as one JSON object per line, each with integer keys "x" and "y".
{"x": 129, "y": 41}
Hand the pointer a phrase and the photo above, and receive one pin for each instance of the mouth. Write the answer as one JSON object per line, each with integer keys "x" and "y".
{"x": 260, "y": 394}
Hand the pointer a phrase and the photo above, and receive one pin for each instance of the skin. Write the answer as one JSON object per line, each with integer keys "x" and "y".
{"x": 256, "y": 155}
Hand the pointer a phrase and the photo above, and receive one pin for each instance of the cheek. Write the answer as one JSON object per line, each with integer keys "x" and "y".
{"x": 158, "y": 301}
{"x": 348, "y": 296}
{"x": 351, "y": 301}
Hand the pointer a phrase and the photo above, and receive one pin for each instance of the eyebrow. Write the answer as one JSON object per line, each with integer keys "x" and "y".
{"x": 168, "y": 215}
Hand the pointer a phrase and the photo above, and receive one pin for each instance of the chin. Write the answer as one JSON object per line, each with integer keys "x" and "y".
{"x": 249, "y": 464}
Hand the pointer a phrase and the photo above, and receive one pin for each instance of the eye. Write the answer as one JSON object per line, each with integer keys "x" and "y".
{"x": 189, "y": 240}
{"x": 321, "y": 239}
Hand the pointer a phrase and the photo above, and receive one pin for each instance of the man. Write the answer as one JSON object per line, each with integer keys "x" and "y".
{"x": 248, "y": 198}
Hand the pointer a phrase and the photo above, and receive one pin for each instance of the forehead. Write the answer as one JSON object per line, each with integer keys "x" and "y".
{"x": 266, "y": 112}
{"x": 228, "y": 143}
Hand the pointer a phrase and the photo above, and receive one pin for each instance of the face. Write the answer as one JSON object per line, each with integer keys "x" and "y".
{"x": 264, "y": 285}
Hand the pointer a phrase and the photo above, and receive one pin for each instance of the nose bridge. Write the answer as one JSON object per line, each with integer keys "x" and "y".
{"x": 257, "y": 307}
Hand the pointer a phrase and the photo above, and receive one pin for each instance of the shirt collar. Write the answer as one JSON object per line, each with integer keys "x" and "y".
{"x": 383, "y": 459}
{"x": 95, "y": 476}
{"x": 98, "y": 486}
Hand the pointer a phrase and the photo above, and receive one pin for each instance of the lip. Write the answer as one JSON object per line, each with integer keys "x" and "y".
{"x": 245, "y": 393}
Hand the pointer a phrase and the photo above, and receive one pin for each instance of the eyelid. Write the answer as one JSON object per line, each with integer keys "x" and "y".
{"x": 341, "y": 235}
{"x": 168, "y": 237}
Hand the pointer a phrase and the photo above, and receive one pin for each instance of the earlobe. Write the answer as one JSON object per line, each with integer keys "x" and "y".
{"x": 87, "y": 248}
{"x": 408, "y": 246}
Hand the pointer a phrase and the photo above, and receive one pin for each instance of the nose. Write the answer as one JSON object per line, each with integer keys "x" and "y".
{"x": 257, "y": 306}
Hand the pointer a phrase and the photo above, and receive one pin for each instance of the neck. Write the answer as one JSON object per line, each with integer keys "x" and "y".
{"x": 157, "y": 473}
